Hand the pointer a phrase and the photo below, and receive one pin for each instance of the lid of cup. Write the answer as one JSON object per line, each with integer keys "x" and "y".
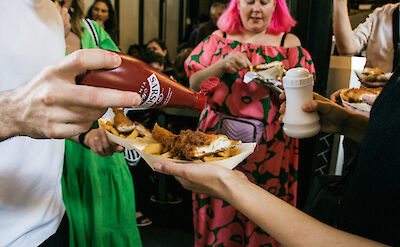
{"x": 297, "y": 77}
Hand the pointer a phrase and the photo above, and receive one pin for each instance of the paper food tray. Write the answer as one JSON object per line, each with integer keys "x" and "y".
{"x": 361, "y": 106}
{"x": 245, "y": 150}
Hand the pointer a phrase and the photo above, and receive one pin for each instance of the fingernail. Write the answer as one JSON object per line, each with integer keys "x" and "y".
{"x": 117, "y": 59}
{"x": 136, "y": 99}
{"x": 157, "y": 166}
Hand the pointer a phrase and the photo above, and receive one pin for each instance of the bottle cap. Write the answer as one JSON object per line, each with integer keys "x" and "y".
{"x": 297, "y": 77}
{"x": 201, "y": 102}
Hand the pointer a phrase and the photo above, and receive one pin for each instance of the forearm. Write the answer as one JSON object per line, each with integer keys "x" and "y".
{"x": 215, "y": 70}
{"x": 8, "y": 107}
{"x": 342, "y": 28}
{"x": 285, "y": 223}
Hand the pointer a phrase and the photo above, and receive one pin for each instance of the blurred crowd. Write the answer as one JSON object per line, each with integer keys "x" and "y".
{"x": 87, "y": 191}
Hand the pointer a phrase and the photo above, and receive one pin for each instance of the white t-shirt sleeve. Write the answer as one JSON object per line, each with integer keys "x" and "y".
{"x": 362, "y": 33}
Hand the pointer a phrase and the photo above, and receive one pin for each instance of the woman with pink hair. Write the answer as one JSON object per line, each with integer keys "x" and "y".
{"x": 250, "y": 32}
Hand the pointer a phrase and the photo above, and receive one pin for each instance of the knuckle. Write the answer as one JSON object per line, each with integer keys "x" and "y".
{"x": 77, "y": 58}
{"x": 48, "y": 71}
{"x": 53, "y": 132}
{"x": 47, "y": 97}
{"x": 95, "y": 100}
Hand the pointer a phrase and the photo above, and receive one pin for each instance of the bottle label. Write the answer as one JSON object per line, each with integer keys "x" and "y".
{"x": 152, "y": 94}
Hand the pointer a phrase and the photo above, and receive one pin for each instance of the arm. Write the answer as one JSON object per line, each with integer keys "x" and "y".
{"x": 342, "y": 28}
{"x": 336, "y": 119}
{"x": 215, "y": 70}
{"x": 232, "y": 64}
{"x": 52, "y": 106}
{"x": 285, "y": 223}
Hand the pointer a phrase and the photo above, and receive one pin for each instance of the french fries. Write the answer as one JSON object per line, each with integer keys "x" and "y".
{"x": 133, "y": 135}
{"x": 210, "y": 158}
{"x": 145, "y": 142}
{"x": 154, "y": 148}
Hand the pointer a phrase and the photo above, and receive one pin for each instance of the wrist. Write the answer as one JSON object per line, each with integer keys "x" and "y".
{"x": 81, "y": 139}
{"x": 8, "y": 121}
{"x": 221, "y": 68}
{"x": 231, "y": 182}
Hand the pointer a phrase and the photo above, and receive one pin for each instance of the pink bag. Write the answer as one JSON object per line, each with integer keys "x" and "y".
{"x": 245, "y": 130}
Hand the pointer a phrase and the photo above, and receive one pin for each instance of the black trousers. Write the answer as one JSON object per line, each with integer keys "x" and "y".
{"x": 61, "y": 237}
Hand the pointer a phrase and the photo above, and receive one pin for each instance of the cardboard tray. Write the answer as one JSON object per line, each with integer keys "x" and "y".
{"x": 137, "y": 144}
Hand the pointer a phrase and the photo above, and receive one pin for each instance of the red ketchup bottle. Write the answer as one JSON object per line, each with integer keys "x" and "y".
{"x": 157, "y": 90}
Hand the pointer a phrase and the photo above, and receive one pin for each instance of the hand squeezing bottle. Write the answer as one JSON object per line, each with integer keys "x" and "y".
{"x": 156, "y": 89}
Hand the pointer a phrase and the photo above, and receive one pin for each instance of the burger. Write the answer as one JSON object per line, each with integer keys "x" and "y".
{"x": 269, "y": 71}
{"x": 353, "y": 96}
{"x": 372, "y": 75}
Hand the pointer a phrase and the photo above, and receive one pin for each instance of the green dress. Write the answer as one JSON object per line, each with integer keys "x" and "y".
{"x": 98, "y": 191}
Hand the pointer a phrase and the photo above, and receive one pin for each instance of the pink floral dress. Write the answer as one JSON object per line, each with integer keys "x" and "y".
{"x": 273, "y": 165}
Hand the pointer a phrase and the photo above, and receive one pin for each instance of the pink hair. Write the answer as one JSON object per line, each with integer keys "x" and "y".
{"x": 281, "y": 20}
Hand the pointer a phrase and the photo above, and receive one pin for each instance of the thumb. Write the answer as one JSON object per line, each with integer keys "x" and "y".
{"x": 369, "y": 99}
{"x": 87, "y": 59}
{"x": 317, "y": 105}
{"x": 169, "y": 168}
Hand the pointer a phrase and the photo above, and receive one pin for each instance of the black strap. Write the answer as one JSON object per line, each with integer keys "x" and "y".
{"x": 81, "y": 139}
{"x": 224, "y": 35}
{"x": 283, "y": 39}
{"x": 396, "y": 39}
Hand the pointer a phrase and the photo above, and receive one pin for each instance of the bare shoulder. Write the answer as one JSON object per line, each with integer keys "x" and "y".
{"x": 292, "y": 40}
{"x": 218, "y": 32}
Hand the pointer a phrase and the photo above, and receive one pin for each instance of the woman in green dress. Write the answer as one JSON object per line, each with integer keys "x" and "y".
{"x": 98, "y": 191}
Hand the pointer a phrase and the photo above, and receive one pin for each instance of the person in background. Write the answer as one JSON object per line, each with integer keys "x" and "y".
{"x": 375, "y": 35}
{"x": 154, "y": 59}
{"x": 135, "y": 50}
{"x": 103, "y": 13}
{"x": 97, "y": 185}
{"x": 179, "y": 66}
{"x": 40, "y": 100}
{"x": 159, "y": 46}
{"x": 207, "y": 28}
{"x": 369, "y": 205}
{"x": 250, "y": 33}
{"x": 195, "y": 29}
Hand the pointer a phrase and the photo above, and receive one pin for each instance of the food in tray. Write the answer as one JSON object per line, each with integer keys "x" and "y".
{"x": 188, "y": 145}
{"x": 121, "y": 122}
{"x": 270, "y": 71}
{"x": 192, "y": 144}
{"x": 372, "y": 74}
{"x": 353, "y": 96}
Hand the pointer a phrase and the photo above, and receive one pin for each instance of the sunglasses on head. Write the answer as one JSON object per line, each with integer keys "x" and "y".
{"x": 58, "y": 2}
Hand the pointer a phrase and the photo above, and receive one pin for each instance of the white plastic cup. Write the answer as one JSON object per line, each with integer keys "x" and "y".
{"x": 298, "y": 85}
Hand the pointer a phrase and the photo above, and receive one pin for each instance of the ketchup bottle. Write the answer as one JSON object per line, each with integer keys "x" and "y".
{"x": 156, "y": 89}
